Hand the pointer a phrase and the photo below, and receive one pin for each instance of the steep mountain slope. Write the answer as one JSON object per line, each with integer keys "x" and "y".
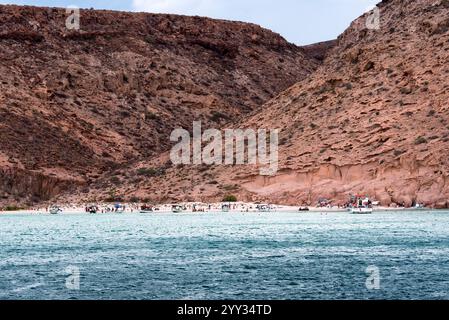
{"x": 373, "y": 119}
{"x": 77, "y": 104}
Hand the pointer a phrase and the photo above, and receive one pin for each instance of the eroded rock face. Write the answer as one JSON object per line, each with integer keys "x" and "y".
{"x": 373, "y": 119}
{"x": 81, "y": 104}
{"x": 17, "y": 185}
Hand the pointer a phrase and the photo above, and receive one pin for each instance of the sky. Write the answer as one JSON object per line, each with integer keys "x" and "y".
{"x": 299, "y": 21}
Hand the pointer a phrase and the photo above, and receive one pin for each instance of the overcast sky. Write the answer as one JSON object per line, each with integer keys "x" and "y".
{"x": 299, "y": 21}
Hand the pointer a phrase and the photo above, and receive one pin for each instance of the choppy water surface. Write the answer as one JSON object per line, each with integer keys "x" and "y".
{"x": 225, "y": 256}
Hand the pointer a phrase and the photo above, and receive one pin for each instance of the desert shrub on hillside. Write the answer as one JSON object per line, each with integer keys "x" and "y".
{"x": 12, "y": 208}
{"x": 150, "y": 172}
{"x": 420, "y": 140}
{"x": 230, "y": 198}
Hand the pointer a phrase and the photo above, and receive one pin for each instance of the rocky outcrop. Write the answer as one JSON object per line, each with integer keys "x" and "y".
{"x": 25, "y": 187}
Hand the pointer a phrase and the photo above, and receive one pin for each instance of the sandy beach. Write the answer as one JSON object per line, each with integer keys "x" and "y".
{"x": 131, "y": 208}
{"x": 199, "y": 208}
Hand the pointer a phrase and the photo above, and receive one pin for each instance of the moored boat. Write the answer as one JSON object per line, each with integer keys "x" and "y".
{"x": 265, "y": 208}
{"x": 146, "y": 209}
{"x": 119, "y": 208}
{"x": 177, "y": 209}
{"x": 361, "y": 205}
{"x": 418, "y": 207}
{"x": 55, "y": 210}
{"x": 361, "y": 210}
{"x": 92, "y": 209}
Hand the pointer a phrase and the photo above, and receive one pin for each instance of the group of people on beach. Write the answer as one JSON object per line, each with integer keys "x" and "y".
{"x": 108, "y": 209}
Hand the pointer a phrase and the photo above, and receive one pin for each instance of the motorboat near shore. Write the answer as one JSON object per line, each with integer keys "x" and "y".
{"x": 361, "y": 205}
{"x": 55, "y": 210}
{"x": 419, "y": 207}
{"x": 361, "y": 210}
{"x": 265, "y": 208}
{"x": 119, "y": 208}
{"x": 177, "y": 209}
{"x": 146, "y": 209}
{"x": 92, "y": 209}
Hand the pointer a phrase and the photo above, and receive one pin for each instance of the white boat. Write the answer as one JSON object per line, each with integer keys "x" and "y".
{"x": 55, "y": 210}
{"x": 418, "y": 207}
{"x": 119, "y": 208}
{"x": 226, "y": 208}
{"x": 177, "y": 209}
{"x": 265, "y": 208}
{"x": 361, "y": 210}
{"x": 361, "y": 206}
{"x": 92, "y": 209}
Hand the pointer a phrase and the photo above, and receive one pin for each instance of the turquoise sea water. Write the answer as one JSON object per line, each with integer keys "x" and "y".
{"x": 225, "y": 256}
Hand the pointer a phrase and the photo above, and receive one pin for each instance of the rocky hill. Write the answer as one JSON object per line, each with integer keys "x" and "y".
{"x": 319, "y": 50}
{"x": 78, "y": 105}
{"x": 373, "y": 119}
